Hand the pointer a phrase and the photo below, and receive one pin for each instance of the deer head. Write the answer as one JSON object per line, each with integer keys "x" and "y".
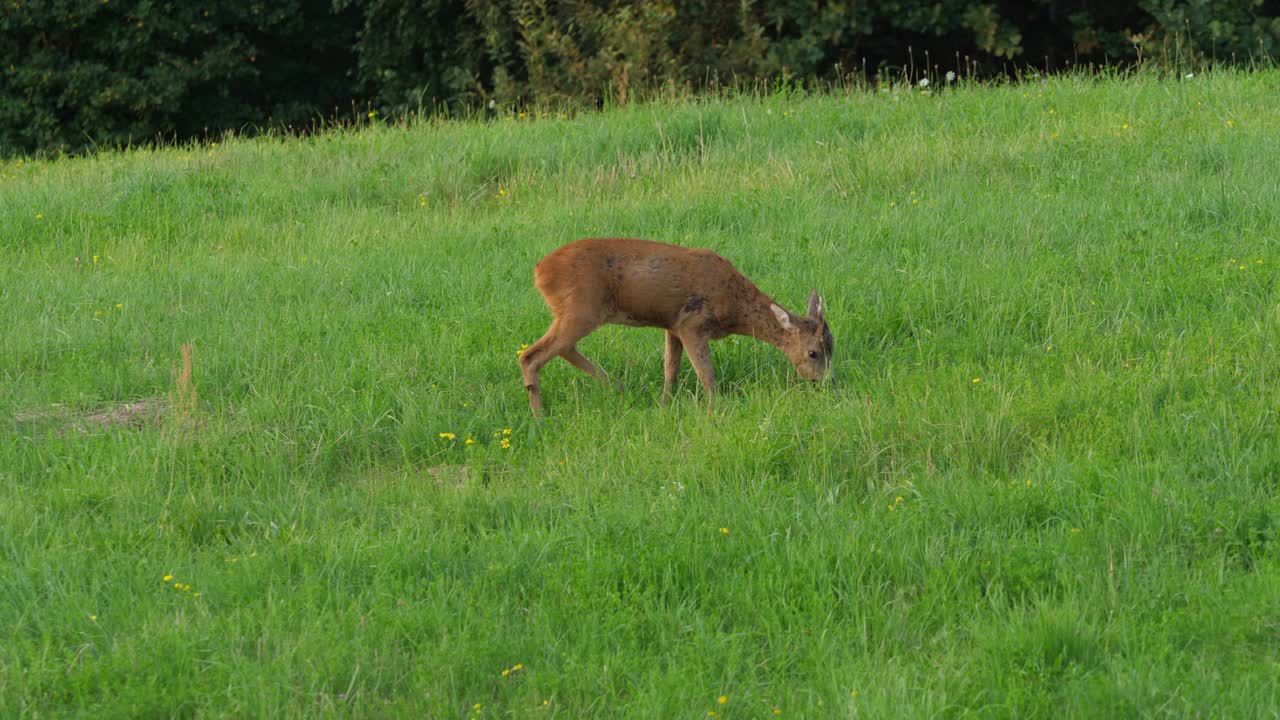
{"x": 807, "y": 340}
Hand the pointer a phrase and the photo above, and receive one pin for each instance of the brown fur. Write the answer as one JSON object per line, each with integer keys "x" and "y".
{"x": 694, "y": 294}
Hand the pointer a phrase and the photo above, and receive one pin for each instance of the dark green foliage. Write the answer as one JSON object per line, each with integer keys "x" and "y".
{"x": 75, "y": 74}
{"x": 83, "y": 73}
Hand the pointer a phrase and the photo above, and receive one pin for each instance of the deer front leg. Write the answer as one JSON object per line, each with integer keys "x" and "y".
{"x": 700, "y": 355}
{"x": 671, "y": 365}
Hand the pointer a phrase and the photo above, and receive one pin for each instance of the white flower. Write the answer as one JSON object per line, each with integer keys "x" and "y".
{"x": 1190, "y": 75}
{"x": 492, "y": 104}
{"x": 924, "y": 82}
{"x": 951, "y": 76}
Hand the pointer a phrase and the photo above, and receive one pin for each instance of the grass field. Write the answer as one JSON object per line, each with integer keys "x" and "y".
{"x": 1045, "y": 483}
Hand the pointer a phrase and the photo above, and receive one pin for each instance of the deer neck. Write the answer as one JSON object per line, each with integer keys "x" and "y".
{"x": 759, "y": 322}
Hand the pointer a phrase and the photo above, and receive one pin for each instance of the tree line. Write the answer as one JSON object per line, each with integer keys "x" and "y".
{"x": 81, "y": 74}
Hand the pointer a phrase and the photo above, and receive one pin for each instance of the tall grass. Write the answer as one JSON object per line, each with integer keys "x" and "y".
{"x": 1044, "y": 485}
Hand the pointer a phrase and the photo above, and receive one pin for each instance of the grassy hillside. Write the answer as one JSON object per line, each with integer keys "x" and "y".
{"x": 1044, "y": 484}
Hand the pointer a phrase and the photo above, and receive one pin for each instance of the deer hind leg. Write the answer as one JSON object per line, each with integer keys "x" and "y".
{"x": 671, "y": 365}
{"x": 560, "y": 340}
{"x": 580, "y": 361}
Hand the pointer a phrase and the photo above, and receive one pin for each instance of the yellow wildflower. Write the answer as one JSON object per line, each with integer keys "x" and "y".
{"x": 505, "y": 444}
{"x": 448, "y": 436}
{"x": 722, "y": 699}
{"x": 977, "y": 380}
{"x": 507, "y": 431}
{"x": 724, "y": 531}
{"x": 167, "y": 578}
{"x": 94, "y": 618}
{"x": 471, "y": 441}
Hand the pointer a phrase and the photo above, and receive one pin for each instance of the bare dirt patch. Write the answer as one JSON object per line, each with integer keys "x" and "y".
{"x": 62, "y": 420}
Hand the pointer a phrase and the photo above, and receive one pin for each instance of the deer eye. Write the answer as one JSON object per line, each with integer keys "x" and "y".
{"x": 813, "y": 354}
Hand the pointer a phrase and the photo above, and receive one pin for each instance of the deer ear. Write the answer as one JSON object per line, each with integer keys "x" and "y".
{"x": 784, "y": 317}
{"x": 815, "y": 305}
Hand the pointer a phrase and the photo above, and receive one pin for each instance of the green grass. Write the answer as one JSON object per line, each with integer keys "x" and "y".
{"x": 1043, "y": 485}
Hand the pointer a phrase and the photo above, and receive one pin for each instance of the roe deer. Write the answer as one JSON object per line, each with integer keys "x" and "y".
{"x": 693, "y": 294}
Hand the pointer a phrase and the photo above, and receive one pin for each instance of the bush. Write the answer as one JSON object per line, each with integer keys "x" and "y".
{"x": 84, "y": 73}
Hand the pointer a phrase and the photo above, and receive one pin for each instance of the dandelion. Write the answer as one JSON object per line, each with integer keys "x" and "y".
{"x": 39, "y": 216}
{"x": 471, "y": 441}
{"x": 924, "y": 82}
{"x": 898, "y": 500}
{"x": 448, "y": 436}
{"x": 977, "y": 380}
{"x": 517, "y": 666}
{"x": 119, "y": 306}
{"x": 167, "y": 578}
{"x": 502, "y": 192}
{"x": 95, "y": 259}
{"x": 505, "y": 444}
{"x": 1124, "y": 126}
{"x": 722, "y": 699}
{"x": 93, "y": 618}
{"x": 1231, "y": 123}
{"x": 951, "y": 76}
{"x": 1028, "y": 483}
{"x": 372, "y": 114}
{"x": 507, "y": 431}
{"x": 724, "y": 531}
{"x": 915, "y": 201}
